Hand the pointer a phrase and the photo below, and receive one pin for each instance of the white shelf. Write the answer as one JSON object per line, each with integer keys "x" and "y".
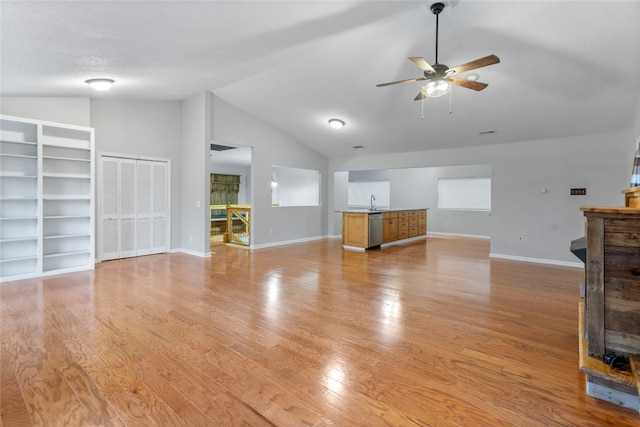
{"x": 73, "y": 159}
{"x": 19, "y": 239}
{"x": 19, "y": 258}
{"x": 66, "y": 175}
{"x": 46, "y": 215}
{"x": 14, "y": 175}
{"x": 22, "y": 156}
{"x": 66, "y": 254}
{"x": 66, "y": 236}
{"x": 19, "y": 218}
{"x": 63, "y": 198}
{"x": 67, "y": 216}
{"x": 6, "y": 198}
{"x": 8, "y": 141}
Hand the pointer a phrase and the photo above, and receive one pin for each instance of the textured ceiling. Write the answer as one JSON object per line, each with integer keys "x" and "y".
{"x": 567, "y": 68}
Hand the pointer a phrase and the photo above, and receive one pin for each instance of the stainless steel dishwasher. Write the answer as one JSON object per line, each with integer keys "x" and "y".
{"x": 375, "y": 229}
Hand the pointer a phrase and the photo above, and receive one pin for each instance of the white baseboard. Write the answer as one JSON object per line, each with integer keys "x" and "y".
{"x": 190, "y": 252}
{"x": 537, "y": 260}
{"x": 288, "y": 242}
{"x": 473, "y": 236}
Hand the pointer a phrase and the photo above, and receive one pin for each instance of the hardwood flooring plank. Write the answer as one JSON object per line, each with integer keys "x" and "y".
{"x": 430, "y": 332}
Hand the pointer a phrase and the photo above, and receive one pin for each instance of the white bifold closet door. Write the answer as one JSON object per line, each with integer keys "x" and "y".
{"x": 152, "y": 207}
{"x": 134, "y": 207}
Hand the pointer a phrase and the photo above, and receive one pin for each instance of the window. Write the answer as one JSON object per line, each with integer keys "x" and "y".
{"x": 467, "y": 193}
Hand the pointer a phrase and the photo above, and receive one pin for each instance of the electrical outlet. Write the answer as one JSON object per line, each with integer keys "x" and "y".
{"x": 578, "y": 191}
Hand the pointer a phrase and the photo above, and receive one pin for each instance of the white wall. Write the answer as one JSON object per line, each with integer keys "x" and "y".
{"x": 72, "y": 111}
{"x": 196, "y": 137}
{"x": 271, "y": 225}
{"x": 526, "y": 223}
{"x": 147, "y": 129}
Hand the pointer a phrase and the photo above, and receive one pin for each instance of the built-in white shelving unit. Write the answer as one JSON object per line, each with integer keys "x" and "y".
{"x": 46, "y": 198}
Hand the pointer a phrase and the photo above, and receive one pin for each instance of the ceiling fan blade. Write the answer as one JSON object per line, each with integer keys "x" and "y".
{"x": 469, "y": 84}
{"x": 401, "y": 81}
{"x": 482, "y": 62}
{"x": 419, "y": 97}
{"x": 422, "y": 64}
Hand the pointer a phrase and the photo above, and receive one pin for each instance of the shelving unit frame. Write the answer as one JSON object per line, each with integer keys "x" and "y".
{"x": 46, "y": 198}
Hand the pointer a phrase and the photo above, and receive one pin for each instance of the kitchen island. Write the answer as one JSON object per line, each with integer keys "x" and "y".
{"x": 370, "y": 229}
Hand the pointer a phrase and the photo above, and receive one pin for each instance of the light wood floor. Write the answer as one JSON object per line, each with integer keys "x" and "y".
{"x": 427, "y": 333}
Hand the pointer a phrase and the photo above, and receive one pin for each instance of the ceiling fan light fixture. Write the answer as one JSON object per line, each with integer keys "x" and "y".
{"x": 100, "y": 84}
{"x": 436, "y": 88}
{"x": 473, "y": 77}
{"x": 336, "y": 123}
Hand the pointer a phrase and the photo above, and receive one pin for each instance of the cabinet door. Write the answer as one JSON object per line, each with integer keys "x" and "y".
{"x": 389, "y": 230}
{"x": 355, "y": 230}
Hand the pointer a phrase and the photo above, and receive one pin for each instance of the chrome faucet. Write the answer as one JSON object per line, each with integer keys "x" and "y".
{"x": 373, "y": 207}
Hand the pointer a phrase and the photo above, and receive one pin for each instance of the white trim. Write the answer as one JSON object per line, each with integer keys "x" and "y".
{"x": 287, "y": 242}
{"x": 353, "y": 248}
{"x": 190, "y": 252}
{"x": 407, "y": 240}
{"x": 537, "y": 260}
{"x": 473, "y": 236}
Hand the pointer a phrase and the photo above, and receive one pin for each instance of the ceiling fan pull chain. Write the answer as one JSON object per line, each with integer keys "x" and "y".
{"x": 450, "y": 98}
{"x": 422, "y": 105}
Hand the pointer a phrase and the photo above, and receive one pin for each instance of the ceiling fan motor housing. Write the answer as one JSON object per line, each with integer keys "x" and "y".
{"x": 436, "y": 8}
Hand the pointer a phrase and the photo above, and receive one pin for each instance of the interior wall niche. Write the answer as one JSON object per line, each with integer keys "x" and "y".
{"x": 294, "y": 187}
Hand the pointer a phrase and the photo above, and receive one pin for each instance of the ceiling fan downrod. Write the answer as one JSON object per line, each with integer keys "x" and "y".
{"x": 436, "y": 8}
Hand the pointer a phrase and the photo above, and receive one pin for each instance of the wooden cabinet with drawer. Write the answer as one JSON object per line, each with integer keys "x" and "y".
{"x": 389, "y": 226}
{"x": 403, "y": 225}
{"x": 413, "y": 223}
{"x": 422, "y": 222}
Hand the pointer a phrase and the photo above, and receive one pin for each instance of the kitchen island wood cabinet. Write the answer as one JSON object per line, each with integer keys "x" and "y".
{"x": 389, "y": 227}
{"x": 397, "y": 225}
{"x": 355, "y": 229}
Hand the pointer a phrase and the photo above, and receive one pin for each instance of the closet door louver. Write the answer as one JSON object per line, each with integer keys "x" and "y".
{"x": 127, "y": 208}
{"x": 160, "y": 201}
{"x": 110, "y": 209}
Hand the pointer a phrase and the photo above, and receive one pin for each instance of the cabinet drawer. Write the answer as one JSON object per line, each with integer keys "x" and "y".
{"x": 413, "y": 214}
{"x": 403, "y": 234}
{"x": 422, "y": 230}
{"x": 403, "y": 224}
{"x": 403, "y": 215}
{"x": 390, "y": 215}
{"x": 413, "y": 231}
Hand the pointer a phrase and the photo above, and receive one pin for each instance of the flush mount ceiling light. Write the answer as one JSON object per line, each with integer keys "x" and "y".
{"x": 100, "y": 84}
{"x": 336, "y": 123}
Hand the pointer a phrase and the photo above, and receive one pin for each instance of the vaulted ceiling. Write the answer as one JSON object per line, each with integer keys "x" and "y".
{"x": 567, "y": 68}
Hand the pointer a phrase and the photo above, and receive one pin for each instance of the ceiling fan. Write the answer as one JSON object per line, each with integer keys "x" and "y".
{"x": 439, "y": 77}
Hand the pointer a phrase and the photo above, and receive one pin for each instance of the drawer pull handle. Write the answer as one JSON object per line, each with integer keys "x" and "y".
{"x": 635, "y": 272}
